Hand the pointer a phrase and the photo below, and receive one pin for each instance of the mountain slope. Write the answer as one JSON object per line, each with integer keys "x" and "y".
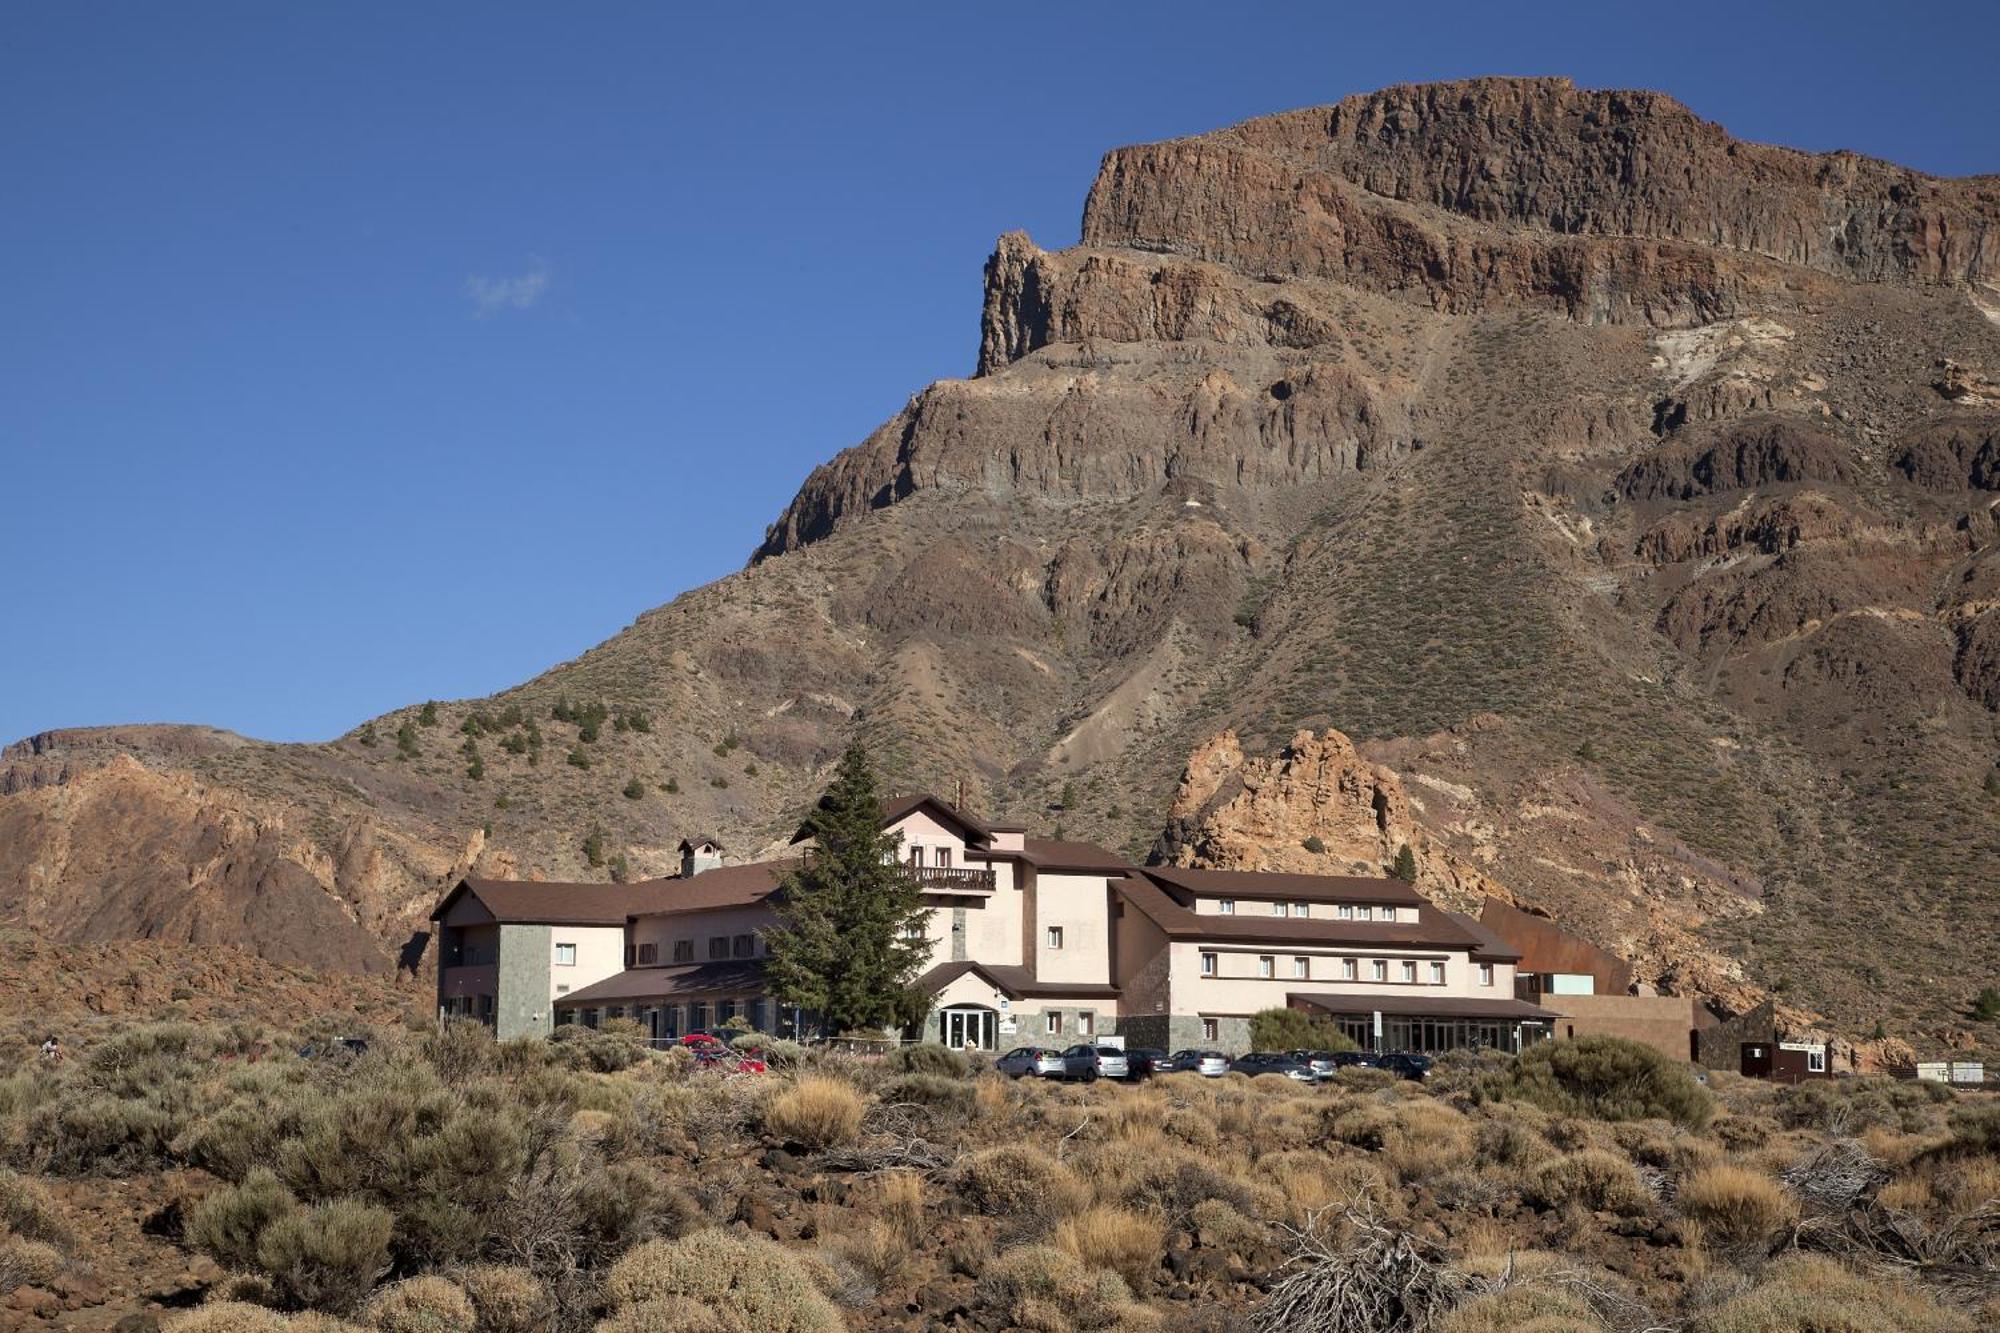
{"x": 1559, "y": 448}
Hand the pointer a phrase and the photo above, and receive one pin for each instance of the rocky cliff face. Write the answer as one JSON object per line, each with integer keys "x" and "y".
{"x": 1626, "y": 491}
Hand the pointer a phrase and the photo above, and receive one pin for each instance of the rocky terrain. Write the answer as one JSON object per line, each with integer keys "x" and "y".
{"x": 1623, "y": 490}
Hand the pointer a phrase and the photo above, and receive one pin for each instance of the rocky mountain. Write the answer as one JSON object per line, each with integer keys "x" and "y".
{"x": 1626, "y": 491}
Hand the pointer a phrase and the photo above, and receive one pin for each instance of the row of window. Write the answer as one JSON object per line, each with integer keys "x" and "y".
{"x": 1341, "y": 912}
{"x": 720, "y": 947}
{"x": 673, "y": 1020}
{"x": 1349, "y": 969}
{"x": 1085, "y": 1023}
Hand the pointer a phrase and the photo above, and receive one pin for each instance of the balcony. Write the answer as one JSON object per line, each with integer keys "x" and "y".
{"x": 951, "y": 879}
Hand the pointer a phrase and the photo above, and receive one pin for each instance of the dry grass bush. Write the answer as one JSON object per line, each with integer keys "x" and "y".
{"x": 24, "y": 1261}
{"x": 951, "y": 1095}
{"x": 1016, "y": 1180}
{"x": 506, "y": 1300}
{"x": 1664, "y": 1147}
{"x": 1049, "y": 1290}
{"x": 1192, "y": 1127}
{"x": 1363, "y": 1124}
{"x": 427, "y": 1304}
{"x": 1835, "y": 1175}
{"x": 816, "y": 1112}
{"x": 327, "y": 1257}
{"x": 27, "y": 1210}
{"x": 1427, "y": 1139}
{"x": 1849, "y": 1106}
{"x": 1358, "y": 1272}
{"x": 1128, "y": 1243}
{"x": 1594, "y": 1179}
{"x": 226, "y": 1317}
{"x": 1816, "y": 1295}
{"x": 1507, "y": 1139}
{"x": 1524, "y": 1308}
{"x": 1307, "y": 1178}
{"x": 1217, "y": 1225}
{"x": 886, "y": 1246}
{"x": 928, "y": 1058}
{"x": 1734, "y": 1205}
{"x": 228, "y": 1221}
{"x": 765, "y": 1285}
{"x": 1975, "y": 1129}
{"x": 1606, "y": 1078}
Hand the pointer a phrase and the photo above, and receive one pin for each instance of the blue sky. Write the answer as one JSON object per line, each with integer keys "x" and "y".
{"x": 354, "y": 354}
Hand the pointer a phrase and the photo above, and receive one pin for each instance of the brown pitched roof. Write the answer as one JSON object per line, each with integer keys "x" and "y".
{"x": 1424, "y": 1006}
{"x": 738, "y": 977}
{"x": 1433, "y": 928}
{"x": 525, "y": 901}
{"x": 726, "y": 886}
{"x": 1014, "y": 982}
{"x": 895, "y": 807}
{"x": 1298, "y": 888}
{"x": 1057, "y": 855}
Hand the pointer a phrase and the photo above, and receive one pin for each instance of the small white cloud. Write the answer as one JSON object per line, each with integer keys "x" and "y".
{"x": 490, "y": 296}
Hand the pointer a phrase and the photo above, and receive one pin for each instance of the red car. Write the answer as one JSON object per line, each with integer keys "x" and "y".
{"x": 713, "y": 1053}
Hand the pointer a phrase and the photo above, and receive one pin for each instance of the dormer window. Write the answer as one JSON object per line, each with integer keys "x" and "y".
{"x": 1345, "y": 911}
{"x": 1365, "y": 913}
{"x": 1226, "y": 907}
{"x": 1277, "y": 909}
{"x": 1388, "y": 914}
{"x": 1301, "y": 909}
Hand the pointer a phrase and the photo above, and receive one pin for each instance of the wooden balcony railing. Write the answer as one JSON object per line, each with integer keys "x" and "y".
{"x": 952, "y": 879}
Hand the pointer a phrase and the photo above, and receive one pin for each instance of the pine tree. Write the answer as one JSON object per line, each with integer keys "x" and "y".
{"x": 1406, "y": 864}
{"x": 842, "y": 947}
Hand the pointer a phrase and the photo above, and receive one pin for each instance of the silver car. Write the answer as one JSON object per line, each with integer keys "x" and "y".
{"x": 1209, "y": 1064}
{"x": 1091, "y": 1063}
{"x": 1030, "y": 1062}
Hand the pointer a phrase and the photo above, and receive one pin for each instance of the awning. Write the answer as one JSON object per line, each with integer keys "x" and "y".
{"x": 1426, "y": 1006}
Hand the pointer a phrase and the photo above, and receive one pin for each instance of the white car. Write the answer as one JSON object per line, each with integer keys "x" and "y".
{"x": 1209, "y": 1064}
{"x": 1030, "y": 1062}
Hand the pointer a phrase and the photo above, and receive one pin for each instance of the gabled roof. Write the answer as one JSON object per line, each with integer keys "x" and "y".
{"x": 1184, "y": 882}
{"x": 699, "y": 841}
{"x": 1058, "y": 855}
{"x": 1433, "y": 928}
{"x": 897, "y": 807}
{"x": 527, "y": 901}
{"x": 1016, "y": 983}
{"x": 725, "y": 886}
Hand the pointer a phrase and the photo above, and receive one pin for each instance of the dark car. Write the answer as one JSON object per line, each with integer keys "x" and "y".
{"x": 1356, "y": 1059}
{"x": 1146, "y": 1061}
{"x": 1407, "y": 1064}
{"x": 1274, "y": 1062}
{"x": 1209, "y": 1064}
{"x": 1322, "y": 1062}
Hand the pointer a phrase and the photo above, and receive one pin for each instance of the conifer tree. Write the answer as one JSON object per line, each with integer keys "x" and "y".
{"x": 842, "y": 947}
{"x": 1406, "y": 864}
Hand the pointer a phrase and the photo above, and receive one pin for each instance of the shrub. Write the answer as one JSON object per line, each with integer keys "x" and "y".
{"x": 226, "y": 1224}
{"x": 27, "y": 1210}
{"x": 1808, "y": 1292}
{"x": 765, "y": 1285}
{"x": 1042, "y": 1287}
{"x": 226, "y": 1317}
{"x": 1015, "y": 1180}
{"x": 507, "y": 1300}
{"x": 950, "y": 1094}
{"x": 427, "y": 1304}
{"x": 1598, "y": 1180}
{"x": 84, "y": 1133}
{"x": 816, "y": 1112}
{"x": 1608, "y": 1078}
{"x": 1295, "y": 1029}
{"x": 1734, "y": 1204}
{"x": 24, "y": 1262}
{"x": 634, "y": 789}
{"x": 1130, "y": 1244}
{"x": 929, "y": 1058}
{"x": 327, "y": 1257}
{"x": 1975, "y": 1128}
{"x": 1524, "y": 1307}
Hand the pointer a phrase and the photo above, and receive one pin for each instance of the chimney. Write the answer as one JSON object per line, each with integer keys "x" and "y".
{"x": 699, "y": 854}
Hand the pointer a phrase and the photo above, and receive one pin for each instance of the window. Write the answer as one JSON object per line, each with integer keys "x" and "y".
{"x": 1301, "y": 909}
{"x": 944, "y": 858}
{"x": 1052, "y": 1022}
{"x": 1437, "y": 974}
{"x": 1348, "y": 970}
{"x": 1086, "y": 1023}
{"x": 1409, "y": 974}
{"x": 744, "y": 946}
{"x": 1277, "y": 909}
{"x": 1388, "y": 914}
{"x": 1486, "y": 974}
{"x": 718, "y": 947}
{"x": 1227, "y": 907}
{"x": 1378, "y": 970}
{"x": 1365, "y": 913}
{"x": 1210, "y": 1030}
{"x": 615, "y": 1011}
{"x": 1208, "y": 964}
{"x": 914, "y": 931}
{"x": 1265, "y": 964}
{"x": 1816, "y": 1060}
{"x": 565, "y": 955}
{"x": 1301, "y": 967}
{"x": 683, "y": 951}
{"x": 562, "y": 990}
{"x": 1345, "y": 911}
{"x": 649, "y": 953}
{"x": 724, "y": 1011}
{"x": 1055, "y": 937}
{"x": 916, "y": 858}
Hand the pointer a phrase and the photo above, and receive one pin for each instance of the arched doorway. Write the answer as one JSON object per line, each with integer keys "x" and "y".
{"x": 964, "y": 1024}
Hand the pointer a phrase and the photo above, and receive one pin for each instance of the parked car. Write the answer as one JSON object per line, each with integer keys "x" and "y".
{"x": 1030, "y": 1061}
{"x": 1090, "y": 1063}
{"x": 714, "y": 1055}
{"x": 1209, "y": 1064}
{"x": 1356, "y": 1059}
{"x": 1322, "y": 1062}
{"x": 1408, "y": 1064}
{"x": 1147, "y": 1061}
{"x": 1274, "y": 1062}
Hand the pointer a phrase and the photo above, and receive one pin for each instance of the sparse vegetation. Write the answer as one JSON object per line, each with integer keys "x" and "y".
{"x": 634, "y": 789}
{"x": 1606, "y": 1077}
